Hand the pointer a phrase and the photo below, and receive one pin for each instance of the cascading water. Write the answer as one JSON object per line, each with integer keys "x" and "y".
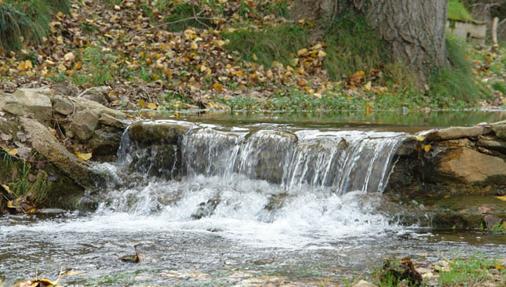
{"x": 271, "y": 186}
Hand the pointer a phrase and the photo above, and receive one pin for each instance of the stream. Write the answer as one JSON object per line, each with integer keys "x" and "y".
{"x": 245, "y": 202}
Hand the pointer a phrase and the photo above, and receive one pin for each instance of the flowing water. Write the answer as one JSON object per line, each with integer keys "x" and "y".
{"x": 238, "y": 206}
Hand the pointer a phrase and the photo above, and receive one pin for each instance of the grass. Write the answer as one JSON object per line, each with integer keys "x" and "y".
{"x": 457, "y": 11}
{"x": 279, "y": 43}
{"x": 182, "y": 17}
{"x": 466, "y": 272}
{"x": 352, "y": 45}
{"x": 98, "y": 68}
{"x": 455, "y": 85}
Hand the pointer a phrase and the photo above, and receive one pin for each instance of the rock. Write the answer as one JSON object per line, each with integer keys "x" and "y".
{"x": 85, "y": 104}
{"x": 470, "y": 166}
{"x": 104, "y": 142}
{"x": 207, "y": 208}
{"x": 492, "y": 143}
{"x": 83, "y": 124}
{"x": 363, "y": 283}
{"x": 63, "y": 105}
{"x": 499, "y": 129}
{"x": 147, "y": 133}
{"x": 109, "y": 120}
{"x": 395, "y": 272}
{"x": 491, "y": 221}
{"x": 28, "y": 102}
{"x": 455, "y": 133}
{"x": 97, "y": 94}
{"x": 46, "y": 144}
{"x": 159, "y": 160}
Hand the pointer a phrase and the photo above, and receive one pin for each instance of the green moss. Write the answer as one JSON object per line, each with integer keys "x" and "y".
{"x": 279, "y": 43}
{"x": 458, "y": 12}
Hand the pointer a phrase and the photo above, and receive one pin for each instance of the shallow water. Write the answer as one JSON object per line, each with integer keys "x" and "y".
{"x": 223, "y": 226}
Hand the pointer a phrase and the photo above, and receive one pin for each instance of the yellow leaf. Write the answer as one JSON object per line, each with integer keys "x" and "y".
{"x": 83, "y": 156}
{"x": 218, "y": 87}
{"x": 25, "y": 65}
{"x": 6, "y": 187}
{"x": 302, "y": 52}
{"x": 141, "y": 103}
{"x": 11, "y": 151}
{"x": 502, "y": 198}
{"x": 368, "y": 86}
{"x": 420, "y": 138}
{"x": 151, "y": 106}
{"x": 11, "y": 205}
{"x": 427, "y": 147}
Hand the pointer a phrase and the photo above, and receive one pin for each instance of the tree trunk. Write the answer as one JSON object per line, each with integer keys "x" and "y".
{"x": 413, "y": 29}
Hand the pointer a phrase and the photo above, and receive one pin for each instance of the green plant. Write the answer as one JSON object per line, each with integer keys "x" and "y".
{"x": 456, "y": 84}
{"x": 278, "y": 8}
{"x": 98, "y": 67}
{"x": 13, "y": 25}
{"x": 279, "y": 43}
{"x": 186, "y": 15}
{"x": 458, "y": 12}
{"x": 27, "y": 20}
{"x": 21, "y": 185}
{"x": 500, "y": 87}
{"x": 466, "y": 272}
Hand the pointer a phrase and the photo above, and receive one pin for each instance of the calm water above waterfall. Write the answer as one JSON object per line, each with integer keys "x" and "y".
{"x": 237, "y": 203}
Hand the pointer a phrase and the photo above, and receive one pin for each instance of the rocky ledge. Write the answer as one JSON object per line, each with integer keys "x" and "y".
{"x": 46, "y": 140}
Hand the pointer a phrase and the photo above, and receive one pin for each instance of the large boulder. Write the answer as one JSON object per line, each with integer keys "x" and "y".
{"x": 28, "y": 102}
{"x": 471, "y": 166}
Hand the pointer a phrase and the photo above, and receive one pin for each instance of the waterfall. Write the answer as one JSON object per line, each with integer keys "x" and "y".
{"x": 341, "y": 161}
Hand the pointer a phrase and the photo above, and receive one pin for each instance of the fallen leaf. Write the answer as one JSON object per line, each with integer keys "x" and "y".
{"x": 501, "y": 198}
{"x": 218, "y": 87}
{"x": 83, "y": 156}
{"x": 25, "y": 65}
{"x": 152, "y": 106}
{"x": 11, "y": 151}
{"x": 426, "y": 147}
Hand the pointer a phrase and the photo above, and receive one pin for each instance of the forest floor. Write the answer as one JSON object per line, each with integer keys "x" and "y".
{"x": 239, "y": 55}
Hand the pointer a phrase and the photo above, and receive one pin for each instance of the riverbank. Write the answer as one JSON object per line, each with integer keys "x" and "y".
{"x": 237, "y": 58}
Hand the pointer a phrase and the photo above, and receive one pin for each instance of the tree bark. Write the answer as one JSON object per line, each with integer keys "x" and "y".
{"x": 413, "y": 29}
